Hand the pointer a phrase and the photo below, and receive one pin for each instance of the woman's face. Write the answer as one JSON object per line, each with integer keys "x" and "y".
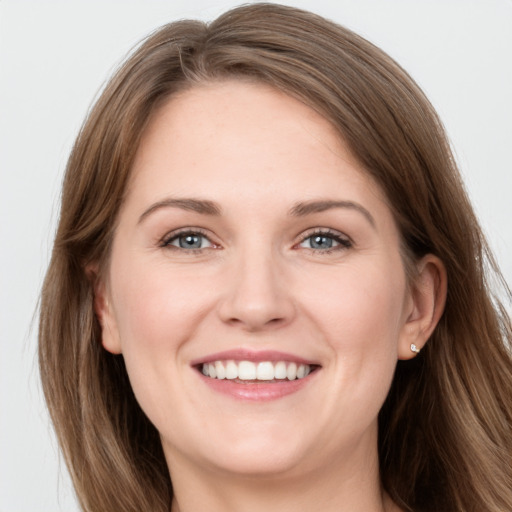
{"x": 252, "y": 246}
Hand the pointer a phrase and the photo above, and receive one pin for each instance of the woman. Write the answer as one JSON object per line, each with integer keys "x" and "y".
{"x": 260, "y": 217}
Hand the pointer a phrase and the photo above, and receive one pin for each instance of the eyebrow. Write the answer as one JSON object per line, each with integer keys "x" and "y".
{"x": 201, "y": 206}
{"x": 206, "y": 207}
{"x": 309, "y": 207}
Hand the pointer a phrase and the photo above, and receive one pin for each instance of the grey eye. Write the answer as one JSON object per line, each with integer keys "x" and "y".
{"x": 324, "y": 241}
{"x": 321, "y": 242}
{"x": 189, "y": 241}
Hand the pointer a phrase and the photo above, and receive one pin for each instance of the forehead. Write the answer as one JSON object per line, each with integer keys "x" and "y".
{"x": 244, "y": 138}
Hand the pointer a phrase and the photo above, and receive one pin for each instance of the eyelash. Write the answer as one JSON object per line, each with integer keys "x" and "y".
{"x": 171, "y": 237}
{"x": 343, "y": 241}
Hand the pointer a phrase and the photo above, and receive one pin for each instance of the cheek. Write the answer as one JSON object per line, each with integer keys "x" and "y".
{"x": 372, "y": 315}
{"x": 157, "y": 312}
{"x": 354, "y": 311}
{"x": 360, "y": 300}
{"x": 360, "y": 314}
{"x": 155, "y": 306}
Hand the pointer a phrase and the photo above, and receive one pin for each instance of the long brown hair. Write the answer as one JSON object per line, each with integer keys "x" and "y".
{"x": 445, "y": 431}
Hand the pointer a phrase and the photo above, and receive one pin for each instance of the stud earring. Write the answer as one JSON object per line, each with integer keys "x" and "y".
{"x": 414, "y": 348}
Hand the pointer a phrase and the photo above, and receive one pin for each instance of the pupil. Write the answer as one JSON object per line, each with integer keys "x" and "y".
{"x": 190, "y": 241}
{"x": 321, "y": 242}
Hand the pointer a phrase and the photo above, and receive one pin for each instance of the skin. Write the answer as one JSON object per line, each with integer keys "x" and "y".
{"x": 258, "y": 283}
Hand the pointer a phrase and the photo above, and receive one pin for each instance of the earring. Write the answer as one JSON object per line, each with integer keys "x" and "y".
{"x": 414, "y": 348}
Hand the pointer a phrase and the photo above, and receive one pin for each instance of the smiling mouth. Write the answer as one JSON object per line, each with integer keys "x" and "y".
{"x": 246, "y": 372}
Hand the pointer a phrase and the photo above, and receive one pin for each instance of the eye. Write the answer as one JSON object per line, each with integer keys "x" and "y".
{"x": 325, "y": 241}
{"x": 192, "y": 240}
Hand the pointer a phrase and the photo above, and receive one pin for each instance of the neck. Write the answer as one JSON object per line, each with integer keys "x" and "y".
{"x": 346, "y": 484}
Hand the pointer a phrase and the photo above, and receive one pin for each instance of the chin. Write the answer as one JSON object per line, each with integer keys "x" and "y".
{"x": 255, "y": 451}
{"x": 254, "y": 462}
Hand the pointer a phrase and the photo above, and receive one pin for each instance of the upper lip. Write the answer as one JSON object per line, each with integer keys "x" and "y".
{"x": 255, "y": 356}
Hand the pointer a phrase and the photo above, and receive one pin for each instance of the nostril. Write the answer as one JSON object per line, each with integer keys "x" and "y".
{"x": 256, "y": 303}
{"x": 254, "y": 324}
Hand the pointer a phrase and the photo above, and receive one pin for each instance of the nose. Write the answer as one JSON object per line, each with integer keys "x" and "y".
{"x": 257, "y": 296}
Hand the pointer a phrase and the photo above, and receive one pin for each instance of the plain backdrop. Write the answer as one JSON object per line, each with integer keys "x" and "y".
{"x": 54, "y": 58}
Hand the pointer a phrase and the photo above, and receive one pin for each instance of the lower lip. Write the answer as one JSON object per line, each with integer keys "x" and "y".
{"x": 257, "y": 391}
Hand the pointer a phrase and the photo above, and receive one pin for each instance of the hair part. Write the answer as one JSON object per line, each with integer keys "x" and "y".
{"x": 445, "y": 440}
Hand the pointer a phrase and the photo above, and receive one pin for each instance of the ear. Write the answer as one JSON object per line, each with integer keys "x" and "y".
{"x": 104, "y": 312}
{"x": 427, "y": 301}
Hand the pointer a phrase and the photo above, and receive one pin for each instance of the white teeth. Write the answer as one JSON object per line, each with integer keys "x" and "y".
{"x": 220, "y": 370}
{"x": 291, "y": 371}
{"x": 247, "y": 370}
{"x": 280, "y": 370}
{"x": 265, "y": 371}
{"x": 231, "y": 370}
